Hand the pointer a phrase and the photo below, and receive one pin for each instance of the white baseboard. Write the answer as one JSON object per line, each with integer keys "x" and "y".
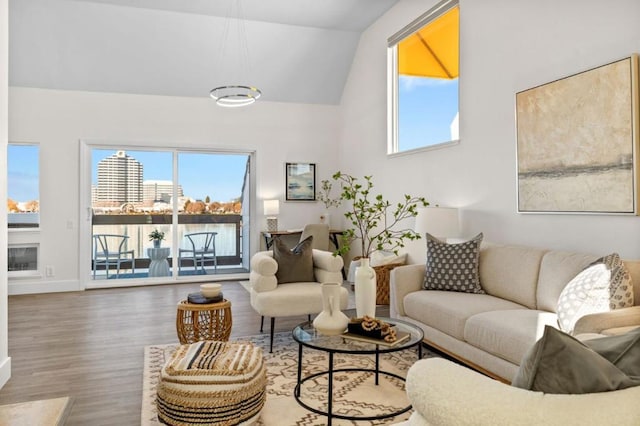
{"x": 5, "y": 371}
{"x": 23, "y": 286}
{"x": 30, "y": 287}
{"x": 131, "y": 282}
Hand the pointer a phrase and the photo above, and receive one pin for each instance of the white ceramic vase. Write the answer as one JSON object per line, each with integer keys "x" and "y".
{"x": 365, "y": 289}
{"x": 331, "y": 321}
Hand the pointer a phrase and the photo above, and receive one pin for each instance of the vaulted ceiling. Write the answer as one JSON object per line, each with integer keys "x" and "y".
{"x": 298, "y": 50}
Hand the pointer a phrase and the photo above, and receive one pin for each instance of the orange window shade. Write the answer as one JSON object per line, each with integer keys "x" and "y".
{"x": 433, "y": 50}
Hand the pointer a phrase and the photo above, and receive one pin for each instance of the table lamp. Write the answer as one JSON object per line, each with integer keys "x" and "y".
{"x": 271, "y": 210}
{"x": 441, "y": 222}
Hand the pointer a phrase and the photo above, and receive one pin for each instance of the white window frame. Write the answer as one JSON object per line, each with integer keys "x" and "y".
{"x": 392, "y": 79}
{"x": 86, "y": 147}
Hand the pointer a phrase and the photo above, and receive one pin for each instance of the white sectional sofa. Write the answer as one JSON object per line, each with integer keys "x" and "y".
{"x": 491, "y": 332}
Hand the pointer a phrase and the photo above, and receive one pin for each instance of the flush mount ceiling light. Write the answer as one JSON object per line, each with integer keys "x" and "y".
{"x": 235, "y": 95}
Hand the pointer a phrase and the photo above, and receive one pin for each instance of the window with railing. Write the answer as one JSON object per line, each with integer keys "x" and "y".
{"x": 136, "y": 192}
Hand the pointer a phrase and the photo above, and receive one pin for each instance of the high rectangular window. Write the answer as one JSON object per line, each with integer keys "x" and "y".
{"x": 424, "y": 75}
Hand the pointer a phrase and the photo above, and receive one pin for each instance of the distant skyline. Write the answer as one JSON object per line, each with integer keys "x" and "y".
{"x": 219, "y": 176}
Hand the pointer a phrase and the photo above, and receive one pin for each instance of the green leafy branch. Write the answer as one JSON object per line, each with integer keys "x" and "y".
{"x": 370, "y": 219}
{"x": 324, "y": 195}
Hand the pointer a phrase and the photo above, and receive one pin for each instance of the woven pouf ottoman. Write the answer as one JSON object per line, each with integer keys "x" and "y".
{"x": 212, "y": 383}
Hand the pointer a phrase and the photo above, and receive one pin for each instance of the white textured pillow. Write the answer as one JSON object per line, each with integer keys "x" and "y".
{"x": 602, "y": 286}
{"x": 381, "y": 257}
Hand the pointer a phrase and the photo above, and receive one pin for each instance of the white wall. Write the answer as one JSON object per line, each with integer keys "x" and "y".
{"x": 505, "y": 47}
{"x": 5, "y": 361}
{"x": 58, "y": 120}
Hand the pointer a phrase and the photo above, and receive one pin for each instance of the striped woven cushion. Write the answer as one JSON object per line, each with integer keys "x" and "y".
{"x": 212, "y": 382}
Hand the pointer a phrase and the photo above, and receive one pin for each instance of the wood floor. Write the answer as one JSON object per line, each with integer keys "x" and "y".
{"x": 89, "y": 345}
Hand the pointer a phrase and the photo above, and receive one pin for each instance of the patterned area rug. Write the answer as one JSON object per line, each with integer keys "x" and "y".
{"x": 354, "y": 393}
{"x": 46, "y": 412}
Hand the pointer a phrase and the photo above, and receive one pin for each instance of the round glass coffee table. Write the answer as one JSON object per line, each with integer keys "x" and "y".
{"x": 307, "y": 336}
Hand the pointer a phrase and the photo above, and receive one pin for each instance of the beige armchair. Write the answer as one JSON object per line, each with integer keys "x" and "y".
{"x": 320, "y": 234}
{"x": 270, "y": 299}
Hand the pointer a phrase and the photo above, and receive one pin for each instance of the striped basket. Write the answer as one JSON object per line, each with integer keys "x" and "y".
{"x": 212, "y": 383}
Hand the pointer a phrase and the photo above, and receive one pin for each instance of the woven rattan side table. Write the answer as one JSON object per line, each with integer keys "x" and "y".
{"x": 210, "y": 321}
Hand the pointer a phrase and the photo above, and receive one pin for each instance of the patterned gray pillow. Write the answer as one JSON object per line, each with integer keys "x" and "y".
{"x": 453, "y": 267}
{"x": 602, "y": 286}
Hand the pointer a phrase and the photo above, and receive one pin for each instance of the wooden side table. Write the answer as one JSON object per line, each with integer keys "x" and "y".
{"x": 210, "y": 321}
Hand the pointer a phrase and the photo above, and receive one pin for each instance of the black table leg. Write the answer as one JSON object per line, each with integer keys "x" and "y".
{"x": 377, "y": 364}
{"x": 299, "y": 369}
{"x": 334, "y": 239}
{"x": 268, "y": 241}
{"x": 330, "y": 395}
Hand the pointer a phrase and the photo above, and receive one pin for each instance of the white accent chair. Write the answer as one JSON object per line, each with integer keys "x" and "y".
{"x": 270, "y": 299}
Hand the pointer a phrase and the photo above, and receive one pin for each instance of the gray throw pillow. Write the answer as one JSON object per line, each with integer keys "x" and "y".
{"x": 622, "y": 350}
{"x": 453, "y": 267}
{"x": 295, "y": 265}
{"x": 558, "y": 363}
{"x": 602, "y": 286}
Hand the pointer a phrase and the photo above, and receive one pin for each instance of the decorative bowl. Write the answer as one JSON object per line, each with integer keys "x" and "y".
{"x": 210, "y": 290}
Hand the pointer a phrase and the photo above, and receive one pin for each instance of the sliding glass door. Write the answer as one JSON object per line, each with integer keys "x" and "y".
{"x": 193, "y": 200}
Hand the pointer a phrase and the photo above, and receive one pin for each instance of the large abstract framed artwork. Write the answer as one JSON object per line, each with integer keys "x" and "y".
{"x": 577, "y": 142}
{"x": 300, "y": 181}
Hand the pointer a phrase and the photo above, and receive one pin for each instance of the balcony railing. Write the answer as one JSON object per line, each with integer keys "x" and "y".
{"x": 138, "y": 227}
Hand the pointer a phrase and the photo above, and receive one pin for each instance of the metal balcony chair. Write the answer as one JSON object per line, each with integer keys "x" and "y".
{"x": 111, "y": 249}
{"x": 201, "y": 248}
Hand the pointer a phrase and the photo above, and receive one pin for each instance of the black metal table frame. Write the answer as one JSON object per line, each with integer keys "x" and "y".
{"x": 329, "y": 412}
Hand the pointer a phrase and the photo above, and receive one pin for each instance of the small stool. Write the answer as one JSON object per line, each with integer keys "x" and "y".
{"x": 159, "y": 266}
{"x": 212, "y": 383}
{"x": 206, "y": 321}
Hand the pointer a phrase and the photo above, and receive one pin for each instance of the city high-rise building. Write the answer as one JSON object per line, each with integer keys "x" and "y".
{"x": 94, "y": 194}
{"x": 119, "y": 179}
{"x": 159, "y": 190}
